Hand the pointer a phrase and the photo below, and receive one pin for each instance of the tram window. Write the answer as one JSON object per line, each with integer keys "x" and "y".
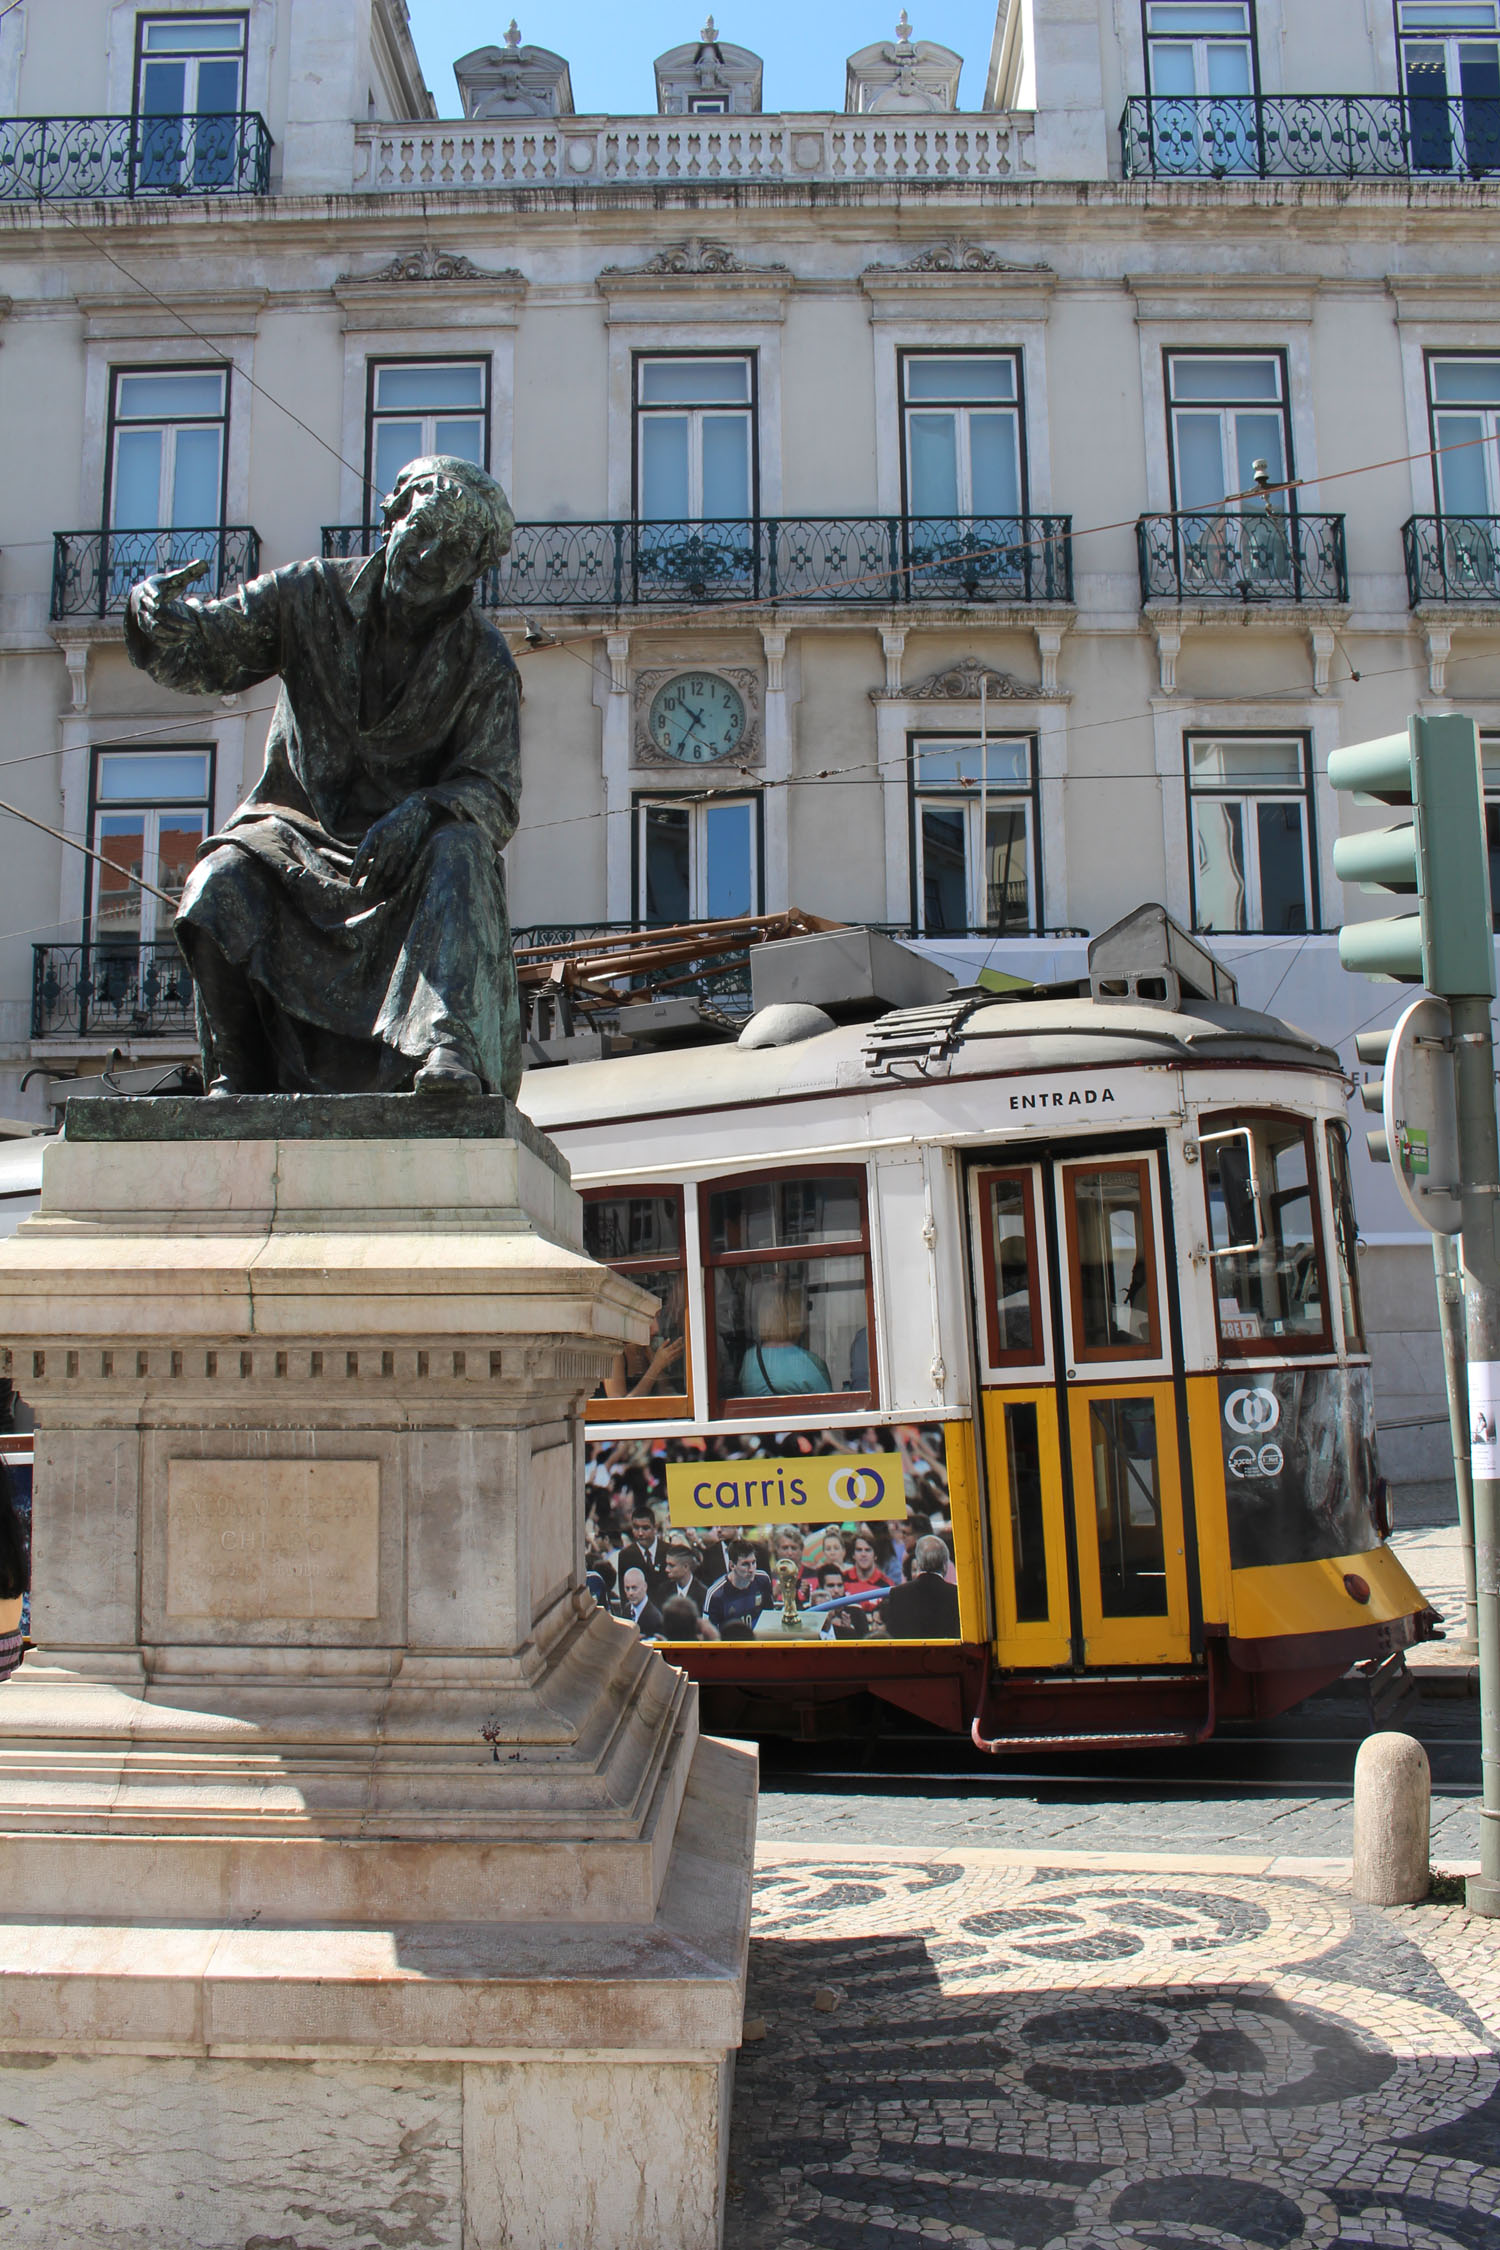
{"x": 1113, "y": 1260}
{"x": 640, "y": 1234}
{"x": 1345, "y": 1235}
{"x": 1028, "y": 1536}
{"x": 1273, "y": 1296}
{"x": 789, "y": 1294}
{"x": 1127, "y": 1505}
{"x": 1012, "y": 1289}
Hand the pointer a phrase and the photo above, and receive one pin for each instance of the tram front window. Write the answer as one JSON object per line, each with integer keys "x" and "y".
{"x": 1127, "y": 1500}
{"x": 1109, "y": 1228}
{"x": 1273, "y": 1294}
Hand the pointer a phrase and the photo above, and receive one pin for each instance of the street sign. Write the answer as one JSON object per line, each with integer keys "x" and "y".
{"x": 1420, "y": 1114}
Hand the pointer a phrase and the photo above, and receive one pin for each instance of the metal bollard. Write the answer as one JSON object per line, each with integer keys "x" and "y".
{"x": 1392, "y": 1821}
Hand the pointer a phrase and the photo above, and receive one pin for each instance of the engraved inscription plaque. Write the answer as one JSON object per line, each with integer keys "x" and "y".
{"x": 252, "y": 1541}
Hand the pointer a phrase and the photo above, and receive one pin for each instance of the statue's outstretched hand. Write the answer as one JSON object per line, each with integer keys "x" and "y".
{"x": 155, "y": 606}
{"x": 389, "y": 851}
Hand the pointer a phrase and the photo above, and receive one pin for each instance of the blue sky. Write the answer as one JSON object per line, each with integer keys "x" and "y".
{"x": 611, "y": 48}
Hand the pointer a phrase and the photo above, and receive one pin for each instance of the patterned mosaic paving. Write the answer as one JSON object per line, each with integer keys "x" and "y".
{"x": 1024, "y": 2058}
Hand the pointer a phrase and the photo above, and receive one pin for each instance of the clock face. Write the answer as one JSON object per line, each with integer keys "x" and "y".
{"x": 697, "y": 717}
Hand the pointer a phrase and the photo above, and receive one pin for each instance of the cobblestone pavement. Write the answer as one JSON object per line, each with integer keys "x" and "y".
{"x": 1068, "y": 2054}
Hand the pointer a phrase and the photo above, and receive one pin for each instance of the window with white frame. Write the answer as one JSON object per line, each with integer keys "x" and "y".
{"x": 708, "y": 105}
{"x": 166, "y": 457}
{"x": 1225, "y": 412}
{"x": 1463, "y": 397}
{"x": 1250, "y": 815}
{"x": 427, "y": 406}
{"x": 189, "y": 93}
{"x": 150, "y": 813}
{"x": 973, "y": 817}
{"x": 698, "y": 859}
{"x": 1198, "y": 48}
{"x": 1450, "y": 69}
{"x": 962, "y": 424}
{"x": 695, "y": 437}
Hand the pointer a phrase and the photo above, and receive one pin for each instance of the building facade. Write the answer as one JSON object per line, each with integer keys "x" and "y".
{"x": 968, "y": 521}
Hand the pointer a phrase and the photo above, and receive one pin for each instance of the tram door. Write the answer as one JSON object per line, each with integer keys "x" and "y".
{"x": 1080, "y": 1421}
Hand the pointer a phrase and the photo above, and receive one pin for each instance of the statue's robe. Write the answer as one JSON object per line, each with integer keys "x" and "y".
{"x": 353, "y": 991}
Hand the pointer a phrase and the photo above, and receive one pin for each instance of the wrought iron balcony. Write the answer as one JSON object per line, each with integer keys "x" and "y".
{"x": 1452, "y": 558}
{"x": 61, "y": 159}
{"x": 1308, "y": 136}
{"x": 1001, "y": 559}
{"x": 117, "y": 990}
{"x": 1260, "y": 556}
{"x": 93, "y": 571}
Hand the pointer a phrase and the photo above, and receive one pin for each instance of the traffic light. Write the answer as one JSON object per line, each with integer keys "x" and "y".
{"x": 1372, "y": 1048}
{"x": 1438, "y": 857}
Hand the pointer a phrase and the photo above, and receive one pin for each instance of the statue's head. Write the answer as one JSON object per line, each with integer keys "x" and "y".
{"x": 447, "y": 522}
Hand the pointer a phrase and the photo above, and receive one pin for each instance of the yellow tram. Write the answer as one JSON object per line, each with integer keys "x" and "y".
{"x": 1068, "y": 1274}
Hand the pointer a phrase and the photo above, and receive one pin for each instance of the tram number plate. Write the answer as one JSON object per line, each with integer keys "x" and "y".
{"x": 808, "y": 1488}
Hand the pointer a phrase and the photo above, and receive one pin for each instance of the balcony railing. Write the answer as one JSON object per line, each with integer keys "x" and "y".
{"x": 1308, "y": 136}
{"x": 114, "y": 990}
{"x": 93, "y": 571}
{"x": 1255, "y": 557}
{"x": 999, "y": 559}
{"x": 60, "y": 159}
{"x": 1452, "y": 558}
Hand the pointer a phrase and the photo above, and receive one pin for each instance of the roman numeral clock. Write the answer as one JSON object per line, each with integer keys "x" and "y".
{"x": 698, "y": 715}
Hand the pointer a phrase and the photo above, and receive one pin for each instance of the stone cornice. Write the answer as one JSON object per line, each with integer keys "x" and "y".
{"x": 1227, "y": 296}
{"x": 1468, "y": 299}
{"x": 960, "y": 683}
{"x": 696, "y": 270}
{"x": 955, "y": 279}
{"x": 430, "y": 288}
{"x": 132, "y": 314}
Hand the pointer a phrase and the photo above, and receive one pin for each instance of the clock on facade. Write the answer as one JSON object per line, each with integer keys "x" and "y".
{"x": 696, "y": 717}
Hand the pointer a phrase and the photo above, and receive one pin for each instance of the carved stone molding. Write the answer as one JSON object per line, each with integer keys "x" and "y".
{"x": 960, "y": 683}
{"x": 750, "y": 750}
{"x": 426, "y": 264}
{"x": 954, "y": 255}
{"x": 697, "y": 255}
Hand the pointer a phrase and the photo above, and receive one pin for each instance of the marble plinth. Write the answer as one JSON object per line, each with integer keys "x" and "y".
{"x": 329, "y": 1799}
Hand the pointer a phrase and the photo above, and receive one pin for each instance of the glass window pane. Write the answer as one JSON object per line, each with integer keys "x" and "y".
{"x": 1173, "y": 70}
{"x": 932, "y": 463}
{"x": 135, "y": 502}
{"x": 218, "y": 87}
{"x": 664, "y": 468}
{"x": 928, "y": 376}
{"x": 657, "y": 1368}
{"x": 1028, "y": 1534}
{"x": 1463, "y": 443}
{"x": 941, "y": 764}
{"x": 1449, "y": 15}
{"x": 1258, "y": 438}
{"x": 396, "y": 443}
{"x": 1247, "y": 764}
{"x": 695, "y": 382}
{"x": 667, "y": 851}
{"x": 1127, "y": 1508}
{"x": 424, "y": 389}
{"x": 1015, "y": 1321}
{"x": 463, "y": 439}
{"x": 163, "y": 94}
{"x": 1346, "y": 1235}
{"x": 1283, "y": 879}
{"x": 1223, "y": 16}
{"x": 1465, "y": 382}
{"x": 1275, "y": 1292}
{"x": 994, "y": 465}
{"x": 1228, "y": 68}
{"x": 197, "y": 36}
{"x": 156, "y": 777}
{"x": 120, "y": 840}
{"x": 729, "y": 844}
{"x": 195, "y": 476}
{"x": 945, "y": 870}
{"x": 1006, "y": 871}
{"x": 726, "y": 465}
{"x": 798, "y": 1327}
{"x": 1479, "y": 78}
{"x": 784, "y": 1214}
{"x": 1225, "y": 380}
{"x": 632, "y": 1226}
{"x": 1200, "y": 462}
{"x": 167, "y": 398}
{"x": 178, "y": 836}
{"x": 1220, "y": 891}
{"x": 1114, "y": 1290}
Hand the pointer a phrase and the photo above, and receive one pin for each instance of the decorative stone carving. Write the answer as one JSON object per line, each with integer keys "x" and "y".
{"x": 957, "y": 256}
{"x": 960, "y": 683}
{"x": 514, "y": 81}
{"x": 707, "y": 76}
{"x": 697, "y": 255}
{"x": 750, "y": 750}
{"x": 912, "y": 77}
{"x": 427, "y": 264}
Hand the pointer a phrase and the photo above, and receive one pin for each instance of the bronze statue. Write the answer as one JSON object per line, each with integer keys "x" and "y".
{"x": 346, "y": 928}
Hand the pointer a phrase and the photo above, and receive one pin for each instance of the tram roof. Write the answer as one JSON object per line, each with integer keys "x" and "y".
{"x": 1031, "y": 1032}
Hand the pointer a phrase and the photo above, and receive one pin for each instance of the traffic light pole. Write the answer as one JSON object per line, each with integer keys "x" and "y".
{"x": 1479, "y": 1174}
{"x": 1450, "y": 1297}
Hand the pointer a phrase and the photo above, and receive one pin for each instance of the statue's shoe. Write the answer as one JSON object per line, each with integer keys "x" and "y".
{"x": 446, "y": 1072}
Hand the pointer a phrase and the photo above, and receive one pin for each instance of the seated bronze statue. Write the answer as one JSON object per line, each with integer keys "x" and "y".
{"x": 346, "y": 928}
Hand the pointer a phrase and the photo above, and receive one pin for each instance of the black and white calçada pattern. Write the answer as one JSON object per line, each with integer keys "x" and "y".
{"x": 1015, "y": 2058}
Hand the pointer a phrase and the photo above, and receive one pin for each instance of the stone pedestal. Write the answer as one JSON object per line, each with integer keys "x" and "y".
{"x": 362, "y": 1881}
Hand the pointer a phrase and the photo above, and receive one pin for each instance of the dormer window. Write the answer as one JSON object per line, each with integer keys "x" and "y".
{"x": 707, "y": 77}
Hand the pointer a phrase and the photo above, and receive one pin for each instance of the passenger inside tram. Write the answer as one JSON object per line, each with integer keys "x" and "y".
{"x": 778, "y": 1363}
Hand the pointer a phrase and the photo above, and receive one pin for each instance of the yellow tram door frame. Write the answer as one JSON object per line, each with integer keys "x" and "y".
{"x": 1128, "y": 1518}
